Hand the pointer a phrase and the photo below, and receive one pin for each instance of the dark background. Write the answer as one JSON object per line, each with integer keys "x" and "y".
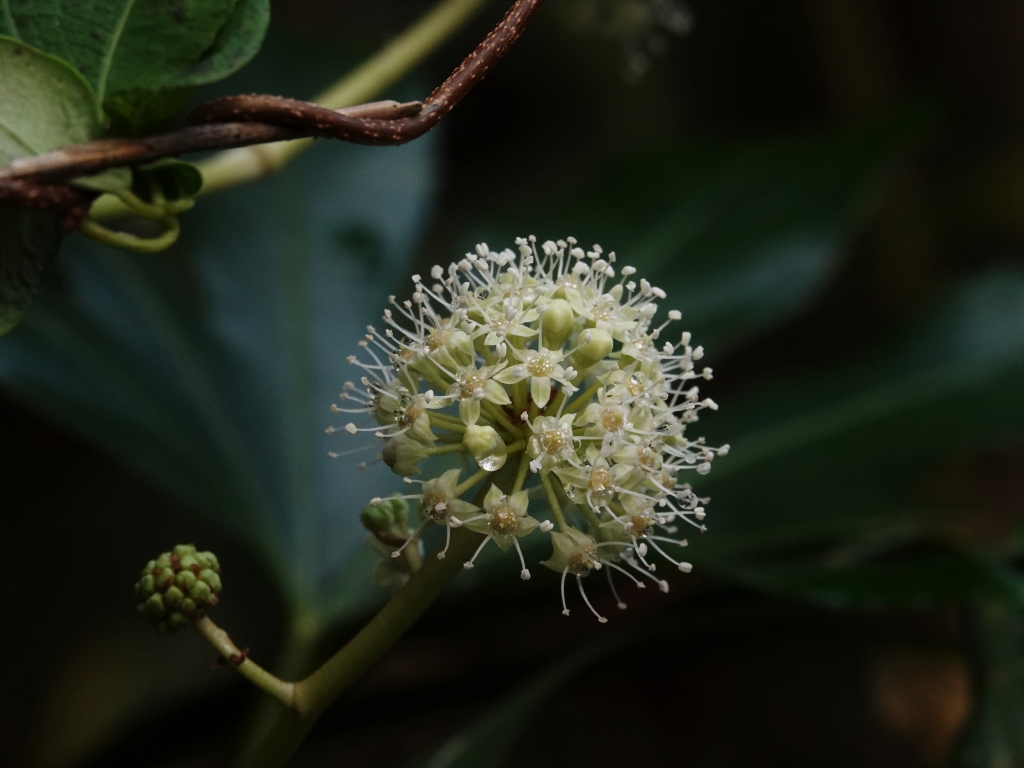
{"x": 724, "y": 671}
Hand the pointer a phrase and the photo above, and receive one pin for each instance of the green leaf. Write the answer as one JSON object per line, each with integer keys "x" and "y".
{"x": 920, "y": 577}
{"x": 811, "y": 500}
{"x": 7, "y": 28}
{"x": 142, "y": 111}
{"x": 236, "y": 43}
{"x": 111, "y": 180}
{"x": 741, "y": 236}
{"x": 995, "y": 736}
{"x": 44, "y": 104}
{"x": 176, "y": 178}
{"x": 28, "y": 247}
{"x": 131, "y": 48}
{"x": 486, "y": 743}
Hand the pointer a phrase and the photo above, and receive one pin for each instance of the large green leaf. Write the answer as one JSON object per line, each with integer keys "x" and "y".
{"x": 137, "y": 54}
{"x": 222, "y": 393}
{"x": 486, "y": 743}
{"x": 741, "y": 236}
{"x": 995, "y": 735}
{"x": 823, "y": 460}
{"x": 44, "y": 104}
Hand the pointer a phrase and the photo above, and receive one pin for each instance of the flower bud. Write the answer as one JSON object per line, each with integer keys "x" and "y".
{"x": 402, "y": 454}
{"x": 556, "y": 323}
{"x": 178, "y": 587}
{"x": 385, "y": 517}
{"x": 486, "y": 446}
{"x": 596, "y": 345}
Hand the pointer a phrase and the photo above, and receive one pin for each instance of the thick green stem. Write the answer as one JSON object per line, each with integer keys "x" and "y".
{"x": 312, "y": 695}
{"x": 290, "y": 727}
{"x": 323, "y": 686}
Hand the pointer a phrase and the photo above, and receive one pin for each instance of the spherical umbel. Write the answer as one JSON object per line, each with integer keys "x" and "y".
{"x": 178, "y": 587}
{"x": 551, "y": 374}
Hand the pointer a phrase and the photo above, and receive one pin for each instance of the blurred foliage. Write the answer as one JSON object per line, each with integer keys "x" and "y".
{"x": 138, "y": 56}
{"x": 46, "y": 104}
{"x": 217, "y": 390}
{"x": 78, "y": 71}
{"x": 865, "y": 477}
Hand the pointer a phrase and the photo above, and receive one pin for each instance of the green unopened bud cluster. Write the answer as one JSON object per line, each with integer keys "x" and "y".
{"x": 178, "y": 587}
{"x": 386, "y": 519}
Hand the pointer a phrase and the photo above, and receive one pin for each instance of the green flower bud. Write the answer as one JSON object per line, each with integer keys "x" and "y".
{"x": 596, "y": 345}
{"x": 486, "y": 446}
{"x": 386, "y": 518}
{"x": 178, "y": 587}
{"x": 556, "y": 323}
{"x": 402, "y": 454}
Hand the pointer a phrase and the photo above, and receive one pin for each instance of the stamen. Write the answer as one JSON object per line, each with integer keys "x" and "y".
{"x": 579, "y": 583}
{"x": 469, "y": 563}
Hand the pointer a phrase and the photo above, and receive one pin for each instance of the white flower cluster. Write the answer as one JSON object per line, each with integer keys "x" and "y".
{"x": 549, "y": 356}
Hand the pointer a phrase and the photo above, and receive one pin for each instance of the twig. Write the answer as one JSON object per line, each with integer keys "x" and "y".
{"x": 94, "y": 156}
{"x": 237, "y": 121}
{"x": 239, "y": 659}
{"x": 71, "y": 201}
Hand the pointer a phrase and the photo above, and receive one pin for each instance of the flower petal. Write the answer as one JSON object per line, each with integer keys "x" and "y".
{"x": 469, "y": 411}
{"x": 540, "y": 389}
{"x": 494, "y": 392}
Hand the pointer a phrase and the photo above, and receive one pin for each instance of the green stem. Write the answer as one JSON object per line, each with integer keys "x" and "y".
{"x": 588, "y": 513}
{"x": 584, "y": 398}
{"x": 475, "y": 478}
{"x": 249, "y": 669}
{"x": 519, "y": 396}
{"x": 495, "y": 412}
{"x": 556, "y": 507}
{"x": 386, "y": 67}
{"x": 524, "y": 467}
{"x": 443, "y": 449}
{"x": 444, "y": 421}
{"x": 323, "y": 686}
{"x": 312, "y": 695}
{"x": 129, "y": 242}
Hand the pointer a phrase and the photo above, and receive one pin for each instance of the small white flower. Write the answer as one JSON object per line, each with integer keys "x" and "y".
{"x": 473, "y": 385}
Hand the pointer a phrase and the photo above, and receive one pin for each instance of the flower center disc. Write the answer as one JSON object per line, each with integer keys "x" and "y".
{"x": 541, "y": 365}
{"x": 471, "y": 384}
{"x": 408, "y": 416}
{"x": 600, "y": 479}
{"x": 504, "y": 520}
{"x": 580, "y": 562}
{"x": 611, "y": 419}
{"x": 437, "y": 339}
{"x": 553, "y": 440}
{"x": 430, "y": 501}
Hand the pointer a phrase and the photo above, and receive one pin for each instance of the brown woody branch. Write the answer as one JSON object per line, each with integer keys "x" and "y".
{"x": 237, "y": 121}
